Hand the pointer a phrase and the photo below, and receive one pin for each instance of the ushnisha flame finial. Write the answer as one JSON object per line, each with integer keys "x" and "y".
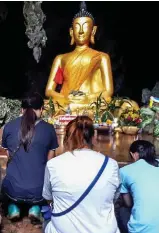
{"x": 83, "y": 12}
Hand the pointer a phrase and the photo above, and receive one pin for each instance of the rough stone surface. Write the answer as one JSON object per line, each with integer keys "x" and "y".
{"x": 21, "y": 226}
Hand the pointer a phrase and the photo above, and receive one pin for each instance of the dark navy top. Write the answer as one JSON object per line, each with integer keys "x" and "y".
{"x": 25, "y": 173}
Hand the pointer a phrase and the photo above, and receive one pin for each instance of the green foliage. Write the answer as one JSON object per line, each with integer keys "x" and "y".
{"x": 9, "y": 110}
{"x": 107, "y": 115}
{"x": 104, "y": 108}
{"x": 156, "y": 130}
{"x": 150, "y": 121}
{"x": 51, "y": 107}
{"x": 97, "y": 106}
{"x": 147, "y": 116}
{"x": 116, "y": 103}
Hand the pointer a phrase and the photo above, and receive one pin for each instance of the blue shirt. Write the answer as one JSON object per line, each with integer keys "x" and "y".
{"x": 25, "y": 173}
{"x": 141, "y": 180}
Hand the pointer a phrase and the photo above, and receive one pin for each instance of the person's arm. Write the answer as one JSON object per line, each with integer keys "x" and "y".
{"x": 125, "y": 189}
{"x": 47, "y": 190}
{"x": 53, "y": 144}
{"x": 115, "y": 180}
{"x": 51, "y": 154}
{"x": 127, "y": 200}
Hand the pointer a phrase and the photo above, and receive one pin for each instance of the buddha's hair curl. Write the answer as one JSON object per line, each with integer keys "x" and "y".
{"x": 83, "y": 12}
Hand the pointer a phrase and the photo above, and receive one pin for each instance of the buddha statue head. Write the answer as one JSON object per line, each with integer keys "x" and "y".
{"x": 83, "y": 27}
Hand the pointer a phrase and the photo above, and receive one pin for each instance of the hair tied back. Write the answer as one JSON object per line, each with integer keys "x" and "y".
{"x": 80, "y": 125}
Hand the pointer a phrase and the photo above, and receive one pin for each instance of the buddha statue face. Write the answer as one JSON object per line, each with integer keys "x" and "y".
{"x": 82, "y": 31}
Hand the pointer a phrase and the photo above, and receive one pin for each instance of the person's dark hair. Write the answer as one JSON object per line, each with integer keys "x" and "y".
{"x": 79, "y": 133}
{"x": 83, "y": 12}
{"x": 26, "y": 132}
{"x": 145, "y": 150}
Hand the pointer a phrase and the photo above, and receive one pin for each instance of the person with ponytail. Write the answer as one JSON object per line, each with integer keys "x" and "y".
{"x": 81, "y": 190}
{"x": 139, "y": 190}
{"x": 30, "y": 142}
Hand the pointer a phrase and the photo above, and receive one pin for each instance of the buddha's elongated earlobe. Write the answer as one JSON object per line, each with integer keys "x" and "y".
{"x": 92, "y": 39}
{"x": 93, "y": 34}
{"x": 72, "y": 37}
{"x": 72, "y": 40}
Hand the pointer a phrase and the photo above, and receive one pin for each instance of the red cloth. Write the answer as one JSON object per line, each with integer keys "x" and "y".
{"x": 59, "y": 76}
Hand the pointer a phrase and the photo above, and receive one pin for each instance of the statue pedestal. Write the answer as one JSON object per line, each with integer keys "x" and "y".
{"x": 60, "y": 129}
{"x": 61, "y": 122}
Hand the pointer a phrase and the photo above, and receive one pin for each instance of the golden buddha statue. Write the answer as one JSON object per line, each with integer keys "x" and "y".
{"x": 83, "y": 73}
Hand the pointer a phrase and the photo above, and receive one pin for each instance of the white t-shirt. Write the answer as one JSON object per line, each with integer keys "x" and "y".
{"x": 67, "y": 177}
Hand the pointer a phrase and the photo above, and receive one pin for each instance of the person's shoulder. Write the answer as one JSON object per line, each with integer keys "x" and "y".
{"x": 47, "y": 125}
{"x": 13, "y": 122}
{"x": 111, "y": 162}
{"x": 135, "y": 166}
{"x": 57, "y": 160}
{"x": 127, "y": 167}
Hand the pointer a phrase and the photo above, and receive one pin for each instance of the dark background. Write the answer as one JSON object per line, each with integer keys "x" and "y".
{"x": 128, "y": 31}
